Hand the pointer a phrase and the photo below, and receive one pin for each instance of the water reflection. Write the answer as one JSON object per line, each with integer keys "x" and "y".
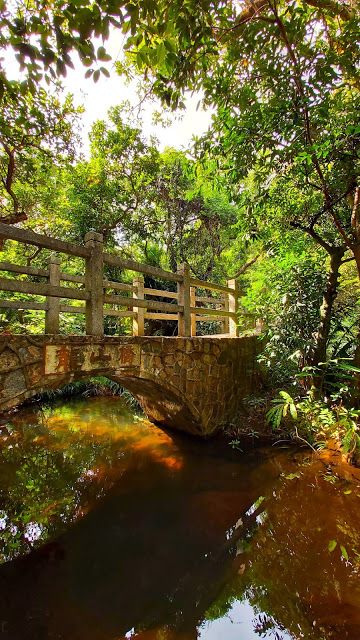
{"x": 56, "y": 462}
{"x": 135, "y": 533}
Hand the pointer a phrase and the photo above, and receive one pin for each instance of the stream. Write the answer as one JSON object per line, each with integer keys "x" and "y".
{"x": 111, "y": 528}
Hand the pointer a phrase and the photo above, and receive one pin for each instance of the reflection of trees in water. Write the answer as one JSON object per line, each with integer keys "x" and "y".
{"x": 152, "y": 556}
{"x": 285, "y": 569}
{"x": 172, "y": 545}
{"x": 52, "y": 462}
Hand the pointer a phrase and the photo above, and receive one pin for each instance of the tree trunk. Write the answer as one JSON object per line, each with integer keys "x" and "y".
{"x": 356, "y": 390}
{"x": 356, "y": 251}
{"x": 356, "y": 394}
{"x": 329, "y": 296}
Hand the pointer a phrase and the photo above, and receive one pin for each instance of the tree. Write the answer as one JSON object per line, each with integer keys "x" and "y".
{"x": 42, "y": 36}
{"x": 37, "y": 132}
{"x": 140, "y": 199}
{"x": 284, "y": 79}
{"x": 283, "y": 203}
{"x": 112, "y": 191}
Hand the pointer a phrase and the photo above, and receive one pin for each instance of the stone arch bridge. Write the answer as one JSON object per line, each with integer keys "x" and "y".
{"x": 193, "y": 384}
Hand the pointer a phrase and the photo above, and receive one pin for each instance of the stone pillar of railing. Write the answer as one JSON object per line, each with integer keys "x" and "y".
{"x": 94, "y": 284}
{"x": 233, "y": 307}
{"x": 139, "y": 317}
{"x": 184, "y": 317}
{"x": 193, "y": 315}
{"x": 52, "y": 315}
{"x": 225, "y": 322}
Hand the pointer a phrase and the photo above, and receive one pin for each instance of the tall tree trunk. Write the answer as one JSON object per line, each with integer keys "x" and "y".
{"x": 357, "y": 259}
{"x": 356, "y": 394}
{"x": 356, "y": 390}
{"x": 354, "y": 202}
{"x": 326, "y": 309}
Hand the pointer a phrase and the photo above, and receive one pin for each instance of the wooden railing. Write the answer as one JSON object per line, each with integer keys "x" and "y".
{"x": 102, "y": 297}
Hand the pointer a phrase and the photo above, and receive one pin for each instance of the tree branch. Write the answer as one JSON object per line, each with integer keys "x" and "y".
{"x": 245, "y": 267}
{"x": 17, "y": 215}
{"x": 315, "y": 236}
{"x": 355, "y": 215}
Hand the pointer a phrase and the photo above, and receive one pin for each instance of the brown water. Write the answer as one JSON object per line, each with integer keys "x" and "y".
{"x": 113, "y": 529}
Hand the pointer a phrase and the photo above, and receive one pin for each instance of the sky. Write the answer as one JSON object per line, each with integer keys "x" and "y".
{"x": 107, "y": 92}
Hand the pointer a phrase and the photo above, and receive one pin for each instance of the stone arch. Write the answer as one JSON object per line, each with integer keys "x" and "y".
{"x": 162, "y": 403}
{"x": 194, "y": 385}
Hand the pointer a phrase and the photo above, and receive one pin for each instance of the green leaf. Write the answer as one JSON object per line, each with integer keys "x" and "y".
{"x": 332, "y": 545}
{"x": 102, "y": 55}
{"x": 292, "y": 476}
{"x": 293, "y": 411}
{"x": 286, "y": 396}
{"x": 344, "y": 553}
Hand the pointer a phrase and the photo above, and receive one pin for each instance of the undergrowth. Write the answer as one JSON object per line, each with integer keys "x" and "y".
{"x": 92, "y": 387}
{"x": 319, "y": 417}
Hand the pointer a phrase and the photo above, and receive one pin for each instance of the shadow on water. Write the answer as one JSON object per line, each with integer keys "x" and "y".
{"x": 113, "y": 529}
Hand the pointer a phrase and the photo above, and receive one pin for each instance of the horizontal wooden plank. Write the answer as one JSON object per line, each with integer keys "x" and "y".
{"x": 26, "y": 236}
{"x": 161, "y": 316}
{"x": 207, "y": 319}
{"x": 118, "y": 286}
{"x": 213, "y": 312}
{"x": 209, "y": 300}
{"x": 160, "y": 293}
{"x": 119, "y": 314}
{"x": 212, "y": 286}
{"x": 41, "y": 289}
{"x": 122, "y": 263}
{"x": 23, "y": 304}
{"x": 69, "y": 278}
{"x": 68, "y": 308}
{"x": 143, "y": 304}
{"x": 34, "y": 271}
{"x": 216, "y": 335}
{"x": 18, "y": 268}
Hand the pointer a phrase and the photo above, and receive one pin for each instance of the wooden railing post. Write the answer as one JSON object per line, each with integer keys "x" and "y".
{"x": 225, "y": 322}
{"x": 193, "y": 315}
{"x": 138, "y": 319}
{"x": 184, "y": 317}
{"x": 233, "y": 307}
{"x": 94, "y": 284}
{"x": 52, "y": 314}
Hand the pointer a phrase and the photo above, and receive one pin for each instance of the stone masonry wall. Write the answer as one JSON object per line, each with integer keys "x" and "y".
{"x": 192, "y": 384}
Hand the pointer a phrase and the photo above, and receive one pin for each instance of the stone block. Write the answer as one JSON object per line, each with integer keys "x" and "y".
{"x": 157, "y": 362}
{"x": 57, "y": 359}
{"x": 14, "y": 384}
{"x": 29, "y": 354}
{"x": 206, "y": 348}
{"x": 9, "y": 360}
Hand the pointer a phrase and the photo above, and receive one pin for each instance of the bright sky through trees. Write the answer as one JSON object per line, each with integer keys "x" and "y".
{"x": 98, "y": 97}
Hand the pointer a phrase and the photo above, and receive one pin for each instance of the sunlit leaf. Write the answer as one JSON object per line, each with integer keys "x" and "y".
{"x": 344, "y": 553}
